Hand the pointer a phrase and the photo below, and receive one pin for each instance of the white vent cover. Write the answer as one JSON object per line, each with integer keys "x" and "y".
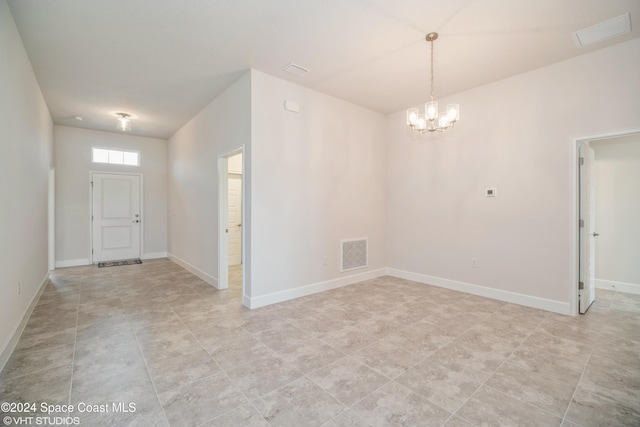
{"x": 354, "y": 253}
{"x": 604, "y": 30}
{"x": 295, "y": 69}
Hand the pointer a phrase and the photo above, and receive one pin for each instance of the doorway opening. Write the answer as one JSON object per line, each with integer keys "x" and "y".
{"x": 231, "y": 214}
{"x": 586, "y": 232}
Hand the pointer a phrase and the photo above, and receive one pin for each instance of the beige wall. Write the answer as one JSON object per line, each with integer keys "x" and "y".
{"x": 26, "y": 137}
{"x": 517, "y": 135}
{"x": 73, "y": 205}
{"x": 318, "y": 176}
{"x": 221, "y": 127}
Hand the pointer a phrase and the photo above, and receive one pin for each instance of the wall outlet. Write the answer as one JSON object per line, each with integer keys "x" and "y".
{"x": 474, "y": 262}
{"x": 19, "y": 288}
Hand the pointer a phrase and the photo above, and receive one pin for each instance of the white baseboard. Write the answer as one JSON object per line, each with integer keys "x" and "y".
{"x": 11, "y": 343}
{"x": 630, "y": 288}
{"x": 275, "y": 297}
{"x": 155, "y": 255}
{"x": 73, "y": 262}
{"x": 498, "y": 294}
{"x": 194, "y": 270}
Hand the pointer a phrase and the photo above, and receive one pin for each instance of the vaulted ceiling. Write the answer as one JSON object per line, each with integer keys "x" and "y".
{"x": 164, "y": 60}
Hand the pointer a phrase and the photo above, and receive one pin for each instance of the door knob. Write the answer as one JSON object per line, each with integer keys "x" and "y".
{"x": 594, "y": 234}
{"x": 136, "y": 221}
{"x": 238, "y": 225}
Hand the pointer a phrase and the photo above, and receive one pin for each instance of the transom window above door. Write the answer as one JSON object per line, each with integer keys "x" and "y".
{"x": 115, "y": 157}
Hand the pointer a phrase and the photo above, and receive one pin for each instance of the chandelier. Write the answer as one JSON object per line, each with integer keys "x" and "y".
{"x": 431, "y": 120}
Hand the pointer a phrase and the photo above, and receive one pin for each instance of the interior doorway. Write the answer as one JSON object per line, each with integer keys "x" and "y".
{"x": 231, "y": 214}
{"x": 586, "y": 231}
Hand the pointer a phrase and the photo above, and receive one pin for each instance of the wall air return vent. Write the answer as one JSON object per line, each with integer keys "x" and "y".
{"x": 354, "y": 253}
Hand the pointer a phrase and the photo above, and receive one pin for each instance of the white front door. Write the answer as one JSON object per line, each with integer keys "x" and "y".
{"x": 234, "y": 219}
{"x": 116, "y": 217}
{"x": 587, "y": 291}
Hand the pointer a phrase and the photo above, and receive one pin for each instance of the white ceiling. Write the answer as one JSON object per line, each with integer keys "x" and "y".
{"x": 164, "y": 60}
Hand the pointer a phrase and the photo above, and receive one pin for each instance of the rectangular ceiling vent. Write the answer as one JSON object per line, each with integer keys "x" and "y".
{"x": 354, "y": 254}
{"x": 604, "y": 30}
{"x": 295, "y": 69}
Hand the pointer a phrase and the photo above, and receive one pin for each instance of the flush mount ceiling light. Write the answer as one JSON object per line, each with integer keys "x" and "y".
{"x": 124, "y": 122}
{"x": 432, "y": 121}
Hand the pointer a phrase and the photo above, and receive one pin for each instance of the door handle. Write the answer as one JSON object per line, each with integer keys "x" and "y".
{"x": 238, "y": 225}
{"x": 136, "y": 221}
{"x": 594, "y": 234}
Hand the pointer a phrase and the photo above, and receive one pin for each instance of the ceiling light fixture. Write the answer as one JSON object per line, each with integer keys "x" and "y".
{"x": 432, "y": 121}
{"x": 124, "y": 122}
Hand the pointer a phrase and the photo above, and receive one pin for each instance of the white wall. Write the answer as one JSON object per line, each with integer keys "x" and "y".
{"x": 73, "y": 205}
{"x": 318, "y": 177}
{"x": 517, "y": 135}
{"x": 617, "y": 175}
{"x": 222, "y": 126}
{"x": 25, "y": 142}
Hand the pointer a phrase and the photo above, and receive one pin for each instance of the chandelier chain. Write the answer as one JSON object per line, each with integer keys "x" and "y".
{"x": 431, "y": 41}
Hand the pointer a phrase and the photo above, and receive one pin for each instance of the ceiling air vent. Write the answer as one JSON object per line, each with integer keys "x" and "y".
{"x": 295, "y": 69}
{"x": 604, "y": 30}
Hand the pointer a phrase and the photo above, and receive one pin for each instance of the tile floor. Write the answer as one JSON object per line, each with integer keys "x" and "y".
{"x": 385, "y": 352}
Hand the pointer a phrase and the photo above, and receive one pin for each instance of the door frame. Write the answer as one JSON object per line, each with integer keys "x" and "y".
{"x": 223, "y": 215}
{"x": 575, "y": 208}
{"x": 91, "y": 173}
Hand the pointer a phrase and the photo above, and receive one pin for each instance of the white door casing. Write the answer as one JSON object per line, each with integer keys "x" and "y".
{"x": 234, "y": 219}
{"x": 587, "y": 292}
{"x": 116, "y": 216}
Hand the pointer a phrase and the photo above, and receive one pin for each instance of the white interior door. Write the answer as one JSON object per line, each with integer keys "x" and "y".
{"x": 587, "y": 291}
{"x": 116, "y": 217}
{"x": 234, "y": 219}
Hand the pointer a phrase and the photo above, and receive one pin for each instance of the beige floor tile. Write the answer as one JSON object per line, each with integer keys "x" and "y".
{"x": 395, "y": 405}
{"x": 201, "y": 401}
{"x": 348, "y": 380}
{"x": 441, "y": 385}
{"x": 135, "y": 330}
{"x": 299, "y": 403}
{"x": 541, "y": 391}
{"x": 180, "y": 370}
{"x": 243, "y": 415}
{"x": 489, "y": 407}
{"x": 233, "y": 353}
{"x": 263, "y": 375}
{"x": 589, "y": 409}
{"x": 387, "y": 359}
{"x": 347, "y": 419}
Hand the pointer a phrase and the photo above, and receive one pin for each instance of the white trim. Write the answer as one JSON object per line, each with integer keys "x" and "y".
{"x": 14, "y": 337}
{"x": 155, "y": 255}
{"x": 194, "y": 270}
{"x": 575, "y": 210}
{"x": 498, "y": 294}
{"x": 51, "y": 223}
{"x": 73, "y": 263}
{"x": 314, "y": 288}
{"x": 629, "y": 288}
